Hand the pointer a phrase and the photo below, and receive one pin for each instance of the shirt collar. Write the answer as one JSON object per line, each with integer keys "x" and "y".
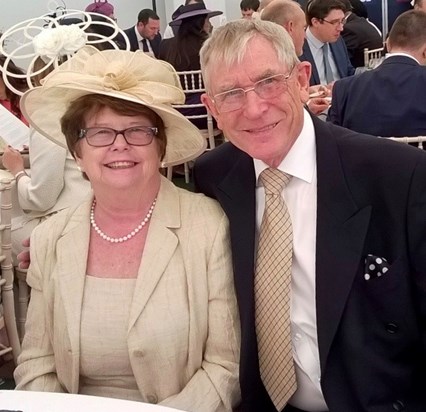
{"x": 313, "y": 40}
{"x": 138, "y": 36}
{"x": 401, "y": 54}
{"x": 303, "y": 148}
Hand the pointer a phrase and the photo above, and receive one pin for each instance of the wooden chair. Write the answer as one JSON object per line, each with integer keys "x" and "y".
{"x": 7, "y": 317}
{"x": 192, "y": 82}
{"x": 23, "y": 300}
{"x": 373, "y": 57}
{"x": 419, "y": 140}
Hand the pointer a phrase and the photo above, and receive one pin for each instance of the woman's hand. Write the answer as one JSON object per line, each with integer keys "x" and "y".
{"x": 13, "y": 160}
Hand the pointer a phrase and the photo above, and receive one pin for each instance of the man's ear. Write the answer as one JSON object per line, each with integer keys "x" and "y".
{"x": 211, "y": 107}
{"x": 304, "y": 70}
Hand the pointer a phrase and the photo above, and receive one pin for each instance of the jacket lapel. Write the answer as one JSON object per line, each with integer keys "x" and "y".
{"x": 341, "y": 231}
{"x": 161, "y": 241}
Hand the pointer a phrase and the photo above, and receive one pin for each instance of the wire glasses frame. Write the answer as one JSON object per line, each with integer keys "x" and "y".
{"x": 336, "y": 23}
{"x": 106, "y": 136}
{"x": 267, "y": 88}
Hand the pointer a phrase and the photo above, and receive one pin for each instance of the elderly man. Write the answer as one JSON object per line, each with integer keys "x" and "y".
{"x": 327, "y": 234}
{"x": 391, "y": 99}
{"x": 324, "y": 47}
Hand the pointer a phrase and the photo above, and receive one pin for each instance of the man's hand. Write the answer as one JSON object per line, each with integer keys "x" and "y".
{"x": 318, "y": 105}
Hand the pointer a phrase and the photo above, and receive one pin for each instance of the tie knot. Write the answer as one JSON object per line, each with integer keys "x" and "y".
{"x": 325, "y": 47}
{"x": 274, "y": 181}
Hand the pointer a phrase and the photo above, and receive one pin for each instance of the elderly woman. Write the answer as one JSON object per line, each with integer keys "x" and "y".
{"x": 132, "y": 292}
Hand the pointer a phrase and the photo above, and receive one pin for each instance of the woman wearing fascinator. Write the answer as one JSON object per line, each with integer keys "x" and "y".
{"x": 132, "y": 290}
{"x": 55, "y": 181}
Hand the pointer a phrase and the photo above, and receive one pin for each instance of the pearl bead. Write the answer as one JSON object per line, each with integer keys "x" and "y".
{"x": 123, "y": 238}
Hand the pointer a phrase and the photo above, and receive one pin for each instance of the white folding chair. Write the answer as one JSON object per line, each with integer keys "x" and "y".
{"x": 7, "y": 317}
{"x": 373, "y": 57}
{"x": 192, "y": 82}
{"x": 416, "y": 139}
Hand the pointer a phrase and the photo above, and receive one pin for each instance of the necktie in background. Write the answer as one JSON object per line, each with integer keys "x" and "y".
{"x": 145, "y": 45}
{"x": 327, "y": 68}
{"x": 272, "y": 291}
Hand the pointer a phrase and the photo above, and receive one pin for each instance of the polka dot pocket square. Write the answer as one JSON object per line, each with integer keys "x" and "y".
{"x": 375, "y": 267}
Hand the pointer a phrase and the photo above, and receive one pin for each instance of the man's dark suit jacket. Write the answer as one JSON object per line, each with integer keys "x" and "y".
{"x": 387, "y": 101}
{"x": 371, "y": 333}
{"x": 359, "y": 34}
{"x": 340, "y": 55}
{"x": 134, "y": 44}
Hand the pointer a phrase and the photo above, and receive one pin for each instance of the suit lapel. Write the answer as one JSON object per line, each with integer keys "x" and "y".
{"x": 236, "y": 194}
{"x": 341, "y": 231}
{"x": 307, "y": 56}
{"x": 161, "y": 241}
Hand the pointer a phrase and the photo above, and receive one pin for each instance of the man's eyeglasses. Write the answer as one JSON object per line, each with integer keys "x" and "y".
{"x": 267, "y": 88}
{"x": 105, "y": 136}
{"x": 336, "y": 23}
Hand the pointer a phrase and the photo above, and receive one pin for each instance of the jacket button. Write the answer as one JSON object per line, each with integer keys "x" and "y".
{"x": 398, "y": 406}
{"x": 392, "y": 327}
{"x": 152, "y": 399}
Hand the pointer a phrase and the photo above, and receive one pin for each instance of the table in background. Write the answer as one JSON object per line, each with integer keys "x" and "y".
{"x": 27, "y": 401}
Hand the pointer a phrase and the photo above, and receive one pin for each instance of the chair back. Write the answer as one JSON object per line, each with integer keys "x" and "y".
{"x": 419, "y": 140}
{"x": 192, "y": 82}
{"x": 7, "y": 301}
{"x": 373, "y": 57}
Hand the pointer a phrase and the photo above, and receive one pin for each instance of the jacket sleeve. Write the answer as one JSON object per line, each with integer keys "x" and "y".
{"x": 36, "y": 368}
{"x": 40, "y": 191}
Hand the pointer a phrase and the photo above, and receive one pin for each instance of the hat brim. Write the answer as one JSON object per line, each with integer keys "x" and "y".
{"x": 209, "y": 13}
{"x": 44, "y": 106}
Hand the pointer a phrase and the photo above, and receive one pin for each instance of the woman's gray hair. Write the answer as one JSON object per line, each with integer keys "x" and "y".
{"x": 228, "y": 44}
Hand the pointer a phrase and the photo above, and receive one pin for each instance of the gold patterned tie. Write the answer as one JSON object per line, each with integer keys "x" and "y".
{"x": 272, "y": 291}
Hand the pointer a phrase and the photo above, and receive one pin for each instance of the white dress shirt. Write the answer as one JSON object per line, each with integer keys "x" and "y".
{"x": 317, "y": 52}
{"x": 140, "y": 38}
{"x": 300, "y": 196}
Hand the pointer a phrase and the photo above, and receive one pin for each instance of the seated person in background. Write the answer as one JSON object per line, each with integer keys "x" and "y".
{"x": 9, "y": 98}
{"x": 172, "y": 29}
{"x": 324, "y": 48}
{"x": 143, "y": 266}
{"x": 389, "y": 100}
{"x": 358, "y": 35}
{"x": 359, "y": 8}
{"x": 248, "y": 7}
{"x": 182, "y": 51}
{"x": 145, "y": 35}
{"x": 289, "y": 15}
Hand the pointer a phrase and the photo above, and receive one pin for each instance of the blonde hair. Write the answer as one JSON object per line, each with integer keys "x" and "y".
{"x": 228, "y": 44}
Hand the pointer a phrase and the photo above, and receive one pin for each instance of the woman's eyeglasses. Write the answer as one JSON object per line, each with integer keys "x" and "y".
{"x": 105, "y": 136}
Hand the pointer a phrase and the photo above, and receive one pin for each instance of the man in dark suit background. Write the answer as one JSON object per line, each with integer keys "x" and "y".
{"x": 391, "y": 99}
{"x": 324, "y": 47}
{"x": 145, "y": 35}
{"x": 358, "y": 35}
{"x": 356, "y": 203}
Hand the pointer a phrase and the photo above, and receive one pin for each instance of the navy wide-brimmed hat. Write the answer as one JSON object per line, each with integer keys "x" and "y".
{"x": 192, "y": 10}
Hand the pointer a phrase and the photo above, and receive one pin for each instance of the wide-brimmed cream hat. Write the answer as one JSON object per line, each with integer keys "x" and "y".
{"x": 125, "y": 75}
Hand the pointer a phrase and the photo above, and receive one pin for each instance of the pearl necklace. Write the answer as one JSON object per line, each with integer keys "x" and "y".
{"x": 124, "y": 238}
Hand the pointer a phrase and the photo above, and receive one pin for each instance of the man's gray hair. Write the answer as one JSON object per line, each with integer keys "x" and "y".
{"x": 228, "y": 44}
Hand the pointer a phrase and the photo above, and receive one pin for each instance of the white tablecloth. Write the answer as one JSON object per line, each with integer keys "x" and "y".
{"x": 27, "y": 401}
